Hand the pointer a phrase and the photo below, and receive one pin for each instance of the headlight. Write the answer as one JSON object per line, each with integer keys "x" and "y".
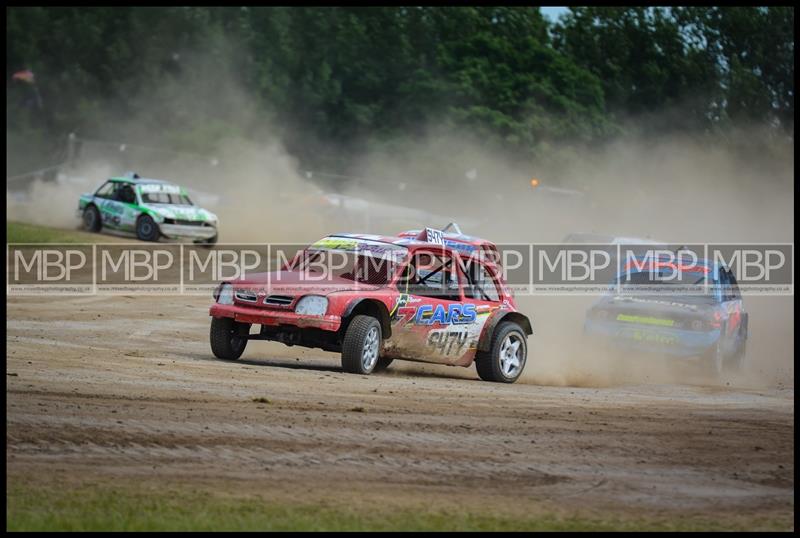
{"x": 311, "y": 305}
{"x": 224, "y": 294}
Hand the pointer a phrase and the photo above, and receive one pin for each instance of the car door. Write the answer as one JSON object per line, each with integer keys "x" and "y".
{"x": 128, "y": 207}
{"x": 482, "y": 293}
{"x": 106, "y": 201}
{"x": 430, "y": 321}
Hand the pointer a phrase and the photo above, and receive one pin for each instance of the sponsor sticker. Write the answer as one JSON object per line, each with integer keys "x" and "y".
{"x": 434, "y": 236}
{"x": 646, "y": 320}
{"x": 159, "y": 187}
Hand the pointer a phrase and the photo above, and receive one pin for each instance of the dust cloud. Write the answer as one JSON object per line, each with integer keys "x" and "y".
{"x": 243, "y": 172}
{"x": 678, "y": 190}
{"x": 675, "y": 189}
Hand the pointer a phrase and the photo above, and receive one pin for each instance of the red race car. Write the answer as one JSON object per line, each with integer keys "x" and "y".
{"x": 427, "y": 296}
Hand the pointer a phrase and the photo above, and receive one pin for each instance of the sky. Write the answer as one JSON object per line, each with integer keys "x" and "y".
{"x": 553, "y": 13}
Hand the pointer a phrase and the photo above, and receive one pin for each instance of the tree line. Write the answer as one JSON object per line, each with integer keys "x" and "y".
{"x": 333, "y": 81}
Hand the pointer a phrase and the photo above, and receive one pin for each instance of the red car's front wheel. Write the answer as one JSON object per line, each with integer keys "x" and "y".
{"x": 361, "y": 346}
{"x": 228, "y": 338}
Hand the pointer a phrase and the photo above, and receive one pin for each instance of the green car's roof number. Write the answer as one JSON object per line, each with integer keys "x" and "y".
{"x": 147, "y": 188}
{"x": 163, "y": 193}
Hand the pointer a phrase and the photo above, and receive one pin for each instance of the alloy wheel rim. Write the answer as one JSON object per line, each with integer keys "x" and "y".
{"x": 369, "y": 354}
{"x": 511, "y": 355}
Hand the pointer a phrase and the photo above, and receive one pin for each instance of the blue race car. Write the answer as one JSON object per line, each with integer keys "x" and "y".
{"x": 691, "y": 311}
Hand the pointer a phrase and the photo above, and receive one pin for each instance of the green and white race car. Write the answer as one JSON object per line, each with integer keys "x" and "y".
{"x": 150, "y": 208}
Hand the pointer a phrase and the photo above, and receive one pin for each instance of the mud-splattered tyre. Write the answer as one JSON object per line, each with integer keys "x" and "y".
{"x": 91, "y": 219}
{"x": 382, "y": 364}
{"x": 147, "y": 229}
{"x": 361, "y": 347}
{"x": 228, "y": 338}
{"x": 505, "y": 359}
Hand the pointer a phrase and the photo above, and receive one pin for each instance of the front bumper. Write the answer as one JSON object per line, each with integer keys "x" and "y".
{"x": 267, "y": 316}
{"x": 661, "y": 340}
{"x": 176, "y": 231}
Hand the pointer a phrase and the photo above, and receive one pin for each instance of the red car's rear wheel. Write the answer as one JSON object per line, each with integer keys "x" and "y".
{"x": 505, "y": 359}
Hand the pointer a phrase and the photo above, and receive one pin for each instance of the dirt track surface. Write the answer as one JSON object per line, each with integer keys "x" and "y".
{"x": 110, "y": 388}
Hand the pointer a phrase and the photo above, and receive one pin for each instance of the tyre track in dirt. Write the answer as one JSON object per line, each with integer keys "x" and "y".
{"x": 109, "y": 389}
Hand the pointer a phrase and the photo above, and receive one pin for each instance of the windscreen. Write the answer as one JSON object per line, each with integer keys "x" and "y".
{"x": 359, "y": 260}
{"x": 694, "y": 283}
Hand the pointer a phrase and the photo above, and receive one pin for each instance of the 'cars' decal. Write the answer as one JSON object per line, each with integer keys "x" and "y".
{"x": 454, "y": 314}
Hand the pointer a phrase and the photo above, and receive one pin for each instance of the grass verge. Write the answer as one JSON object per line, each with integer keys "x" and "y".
{"x": 99, "y": 508}
{"x": 18, "y": 232}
